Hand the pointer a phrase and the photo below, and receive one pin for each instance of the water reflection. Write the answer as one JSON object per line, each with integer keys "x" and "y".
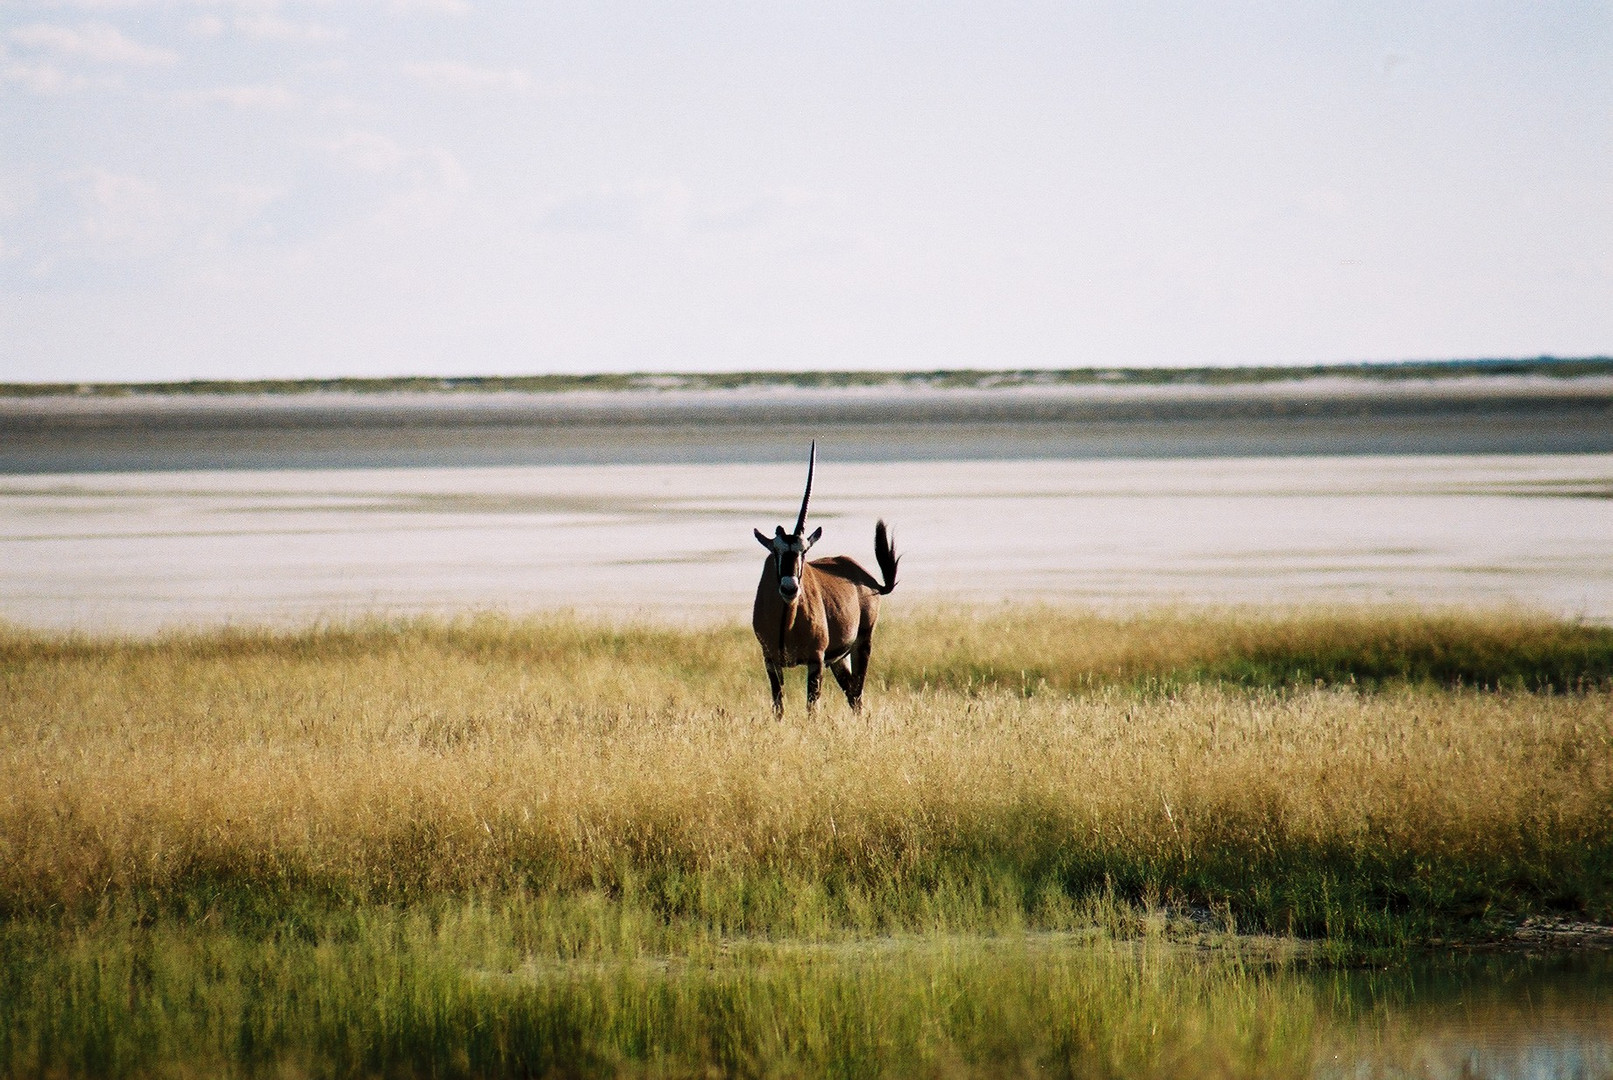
{"x": 1498, "y": 1017}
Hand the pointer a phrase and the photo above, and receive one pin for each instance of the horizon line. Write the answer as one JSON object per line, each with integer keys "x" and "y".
{"x": 942, "y": 378}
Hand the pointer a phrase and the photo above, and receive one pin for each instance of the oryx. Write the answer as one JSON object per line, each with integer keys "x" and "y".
{"x": 819, "y": 612}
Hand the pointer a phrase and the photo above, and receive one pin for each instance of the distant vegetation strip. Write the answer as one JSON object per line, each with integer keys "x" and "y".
{"x": 964, "y": 378}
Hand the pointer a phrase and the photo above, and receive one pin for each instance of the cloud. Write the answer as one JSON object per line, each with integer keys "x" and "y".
{"x": 467, "y": 77}
{"x": 436, "y": 183}
{"x": 96, "y": 42}
{"x": 106, "y": 5}
{"x": 774, "y": 220}
{"x": 122, "y": 214}
{"x": 247, "y": 97}
{"x": 252, "y": 198}
{"x": 109, "y": 221}
{"x": 366, "y": 151}
{"x": 652, "y": 208}
{"x": 233, "y": 209}
{"x": 14, "y": 195}
{"x": 393, "y": 7}
{"x": 41, "y": 78}
{"x": 439, "y": 7}
{"x": 271, "y": 27}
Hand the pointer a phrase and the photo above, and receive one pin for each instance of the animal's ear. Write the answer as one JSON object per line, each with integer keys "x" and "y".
{"x": 762, "y": 540}
{"x": 813, "y": 539}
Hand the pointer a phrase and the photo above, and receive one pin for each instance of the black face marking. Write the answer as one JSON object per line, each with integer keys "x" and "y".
{"x": 789, "y": 552}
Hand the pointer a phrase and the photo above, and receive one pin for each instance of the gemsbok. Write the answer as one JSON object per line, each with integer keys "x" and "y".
{"x": 819, "y": 612}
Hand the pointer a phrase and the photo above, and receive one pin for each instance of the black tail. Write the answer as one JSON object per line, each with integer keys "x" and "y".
{"x": 886, "y": 557}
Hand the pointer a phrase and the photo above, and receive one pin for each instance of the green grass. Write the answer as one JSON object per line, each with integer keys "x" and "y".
{"x": 525, "y": 986}
{"x": 475, "y": 988}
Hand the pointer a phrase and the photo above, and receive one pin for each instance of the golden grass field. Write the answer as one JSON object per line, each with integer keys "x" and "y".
{"x": 389, "y": 761}
{"x": 1370, "y": 779}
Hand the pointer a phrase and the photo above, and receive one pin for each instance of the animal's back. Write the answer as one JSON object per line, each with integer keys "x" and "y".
{"x": 844, "y": 566}
{"x": 856, "y": 613}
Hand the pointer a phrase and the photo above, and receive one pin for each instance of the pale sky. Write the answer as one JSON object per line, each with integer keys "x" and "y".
{"x": 279, "y": 188}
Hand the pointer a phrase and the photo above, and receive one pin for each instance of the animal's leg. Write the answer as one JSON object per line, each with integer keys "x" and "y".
{"x": 859, "y": 667}
{"x": 775, "y": 679}
{"x": 814, "y": 681}
{"x": 846, "y": 677}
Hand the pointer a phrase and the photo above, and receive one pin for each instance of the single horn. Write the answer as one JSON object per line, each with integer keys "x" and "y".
{"x": 800, "y": 522}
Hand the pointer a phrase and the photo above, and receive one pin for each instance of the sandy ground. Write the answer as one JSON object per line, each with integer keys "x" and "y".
{"x": 143, "y": 550}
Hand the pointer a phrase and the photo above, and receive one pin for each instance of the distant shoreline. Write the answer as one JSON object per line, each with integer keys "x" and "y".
{"x": 964, "y": 378}
{"x": 1458, "y": 410}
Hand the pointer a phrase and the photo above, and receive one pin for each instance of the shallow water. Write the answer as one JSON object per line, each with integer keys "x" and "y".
{"x": 1226, "y": 1010}
{"x": 194, "y": 1000}
{"x": 142, "y": 550}
{"x": 1029, "y": 421}
{"x": 1499, "y": 1017}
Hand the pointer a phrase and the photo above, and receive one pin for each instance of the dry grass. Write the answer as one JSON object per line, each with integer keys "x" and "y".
{"x": 397, "y": 762}
{"x": 1072, "y": 650}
